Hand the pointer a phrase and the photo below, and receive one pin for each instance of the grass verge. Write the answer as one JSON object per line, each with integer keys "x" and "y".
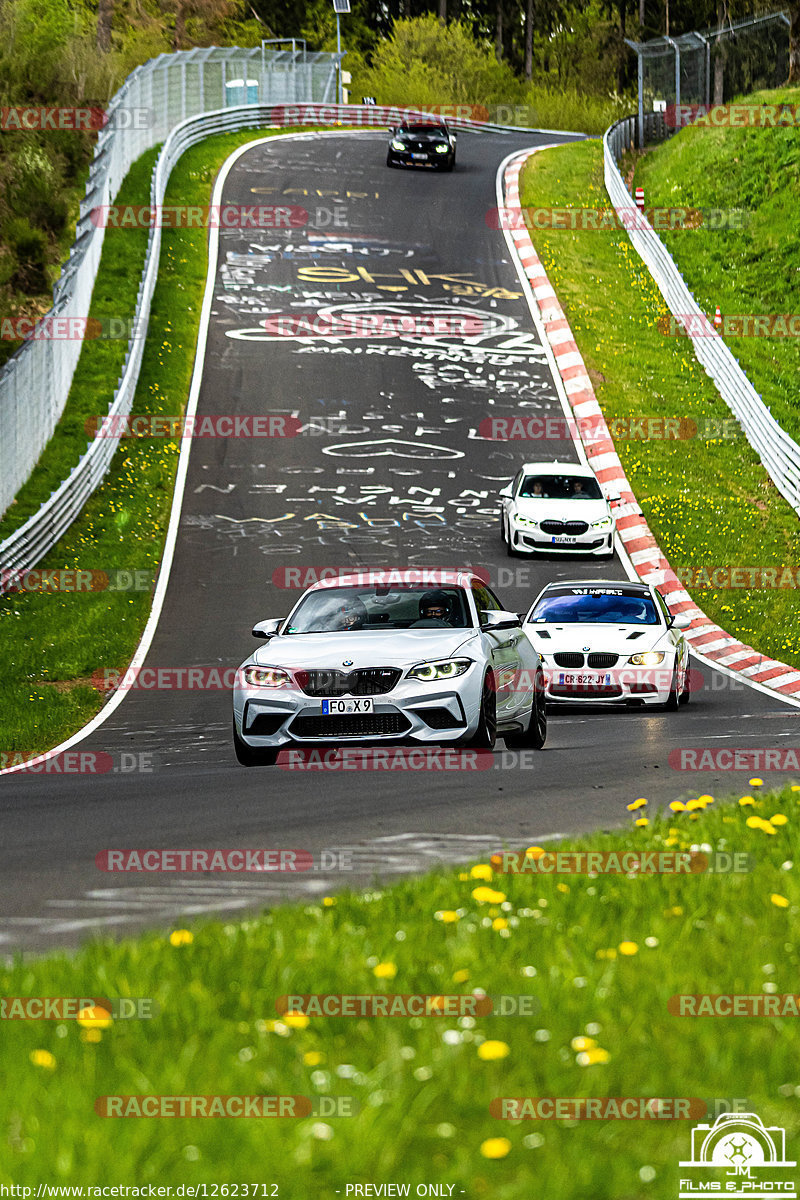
{"x": 52, "y": 643}
{"x": 753, "y": 270}
{"x": 601, "y": 956}
{"x": 707, "y": 502}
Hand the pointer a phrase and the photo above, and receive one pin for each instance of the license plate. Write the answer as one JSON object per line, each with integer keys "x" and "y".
{"x": 419, "y": 156}
{"x": 583, "y": 680}
{"x": 331, "y": 708}
{"x": 568, "y": 540}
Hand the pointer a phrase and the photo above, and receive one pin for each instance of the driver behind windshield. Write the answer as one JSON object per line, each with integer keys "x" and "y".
{"x": 350, "y": 614}
{"x": 434, "y": 608}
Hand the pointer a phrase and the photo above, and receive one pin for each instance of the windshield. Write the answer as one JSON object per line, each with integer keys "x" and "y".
{"x": 559, "y": 487}
{"x": 427, "y": 127}
{"x": 346, "y": 609}
{"x": 603, "y": 605}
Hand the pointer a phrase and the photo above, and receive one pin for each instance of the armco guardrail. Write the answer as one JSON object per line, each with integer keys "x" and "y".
{"x": 777, "y": 451}
{"x": 26, "y": 547}
{"x": 35, "y": 382}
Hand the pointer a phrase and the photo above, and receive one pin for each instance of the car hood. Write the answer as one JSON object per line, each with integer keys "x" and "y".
{"x": 561, "y": 510}
{"x": 394, "y": 648}
{"x": 619, "y": 639}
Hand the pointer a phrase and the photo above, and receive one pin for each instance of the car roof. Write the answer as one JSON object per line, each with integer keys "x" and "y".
{"x": 558, "y": 468}
{"x": 430, "y": 577}
{"x": 634, "y": 586}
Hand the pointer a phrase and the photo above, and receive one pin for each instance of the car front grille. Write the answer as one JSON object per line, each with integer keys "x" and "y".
{"x": 367, "y": 681}
{"x": 349, "y": 725}
{"x": 568, "y": 659}
{"x": 567, "y": 528}
{"x": 588, "y": 690}
{"x": 600, "y": 660}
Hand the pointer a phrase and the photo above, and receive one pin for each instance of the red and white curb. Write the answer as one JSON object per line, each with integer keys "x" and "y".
{"x": 705, "y": 638}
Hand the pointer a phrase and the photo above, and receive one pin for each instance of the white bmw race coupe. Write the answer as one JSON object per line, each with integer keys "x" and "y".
{"x": 612, "y": 641}
{"x": 411, "y": 656}
{"x": 552, "y": 506}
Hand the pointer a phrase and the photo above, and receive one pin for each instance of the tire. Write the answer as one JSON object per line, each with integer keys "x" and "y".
{"x": 485, "y": 736}
{"x": 449, "y": 166}
{"x": 672, "y": 701}
{"x": 535, "y": 735}
{"x": 510, "y": 551}
{"x": 686, "y": 694}
{"x": 389, "y": 160}
{"x": 247, "y": 756}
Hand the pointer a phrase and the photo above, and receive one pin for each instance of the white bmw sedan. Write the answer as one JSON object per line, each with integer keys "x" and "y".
{"x": 384, "y": 657}
{"x": 610, "y": 641}
{"x": 556, "y": 506}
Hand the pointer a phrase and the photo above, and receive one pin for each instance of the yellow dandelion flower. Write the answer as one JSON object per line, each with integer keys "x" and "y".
{"x": 490, "y": 1051}
{"x": 94, "y": 1017}
{"x": 312, "y": 1058}
{"x": 500, "y": 923}
{"x": 628, "y": 948}
{"x": 482, "y": 871}
{"x": 495, "y": 1147}
{"x": 706, "y": 798}
{"x": 296, "y": 1020}
{"x": 692, "y": 805}
{"x": 43, "y": 1058}
{"x": 756, "y": 782}
{"x": 461, "y": 976}
{"x": 641, "y": 821}
{"x": 745, "y": 800}
{"x": 328, "y": 901}
{"x": 534, "y": 852}
{"x": 778, "y": 819}
{"x": 448, "y": 915}
{"x": 795, "y": 787}
{"x": 181, "y": 937}
{"x": 588, "y": 1058}
{"x": 640, "y": 803}
{"x": 582, "y": 1043}
{"x": 385, "y": 970}
{"x": 562, "y": 887}
{"x": 91, "y": 1035}
{"x": 673, "y": 841}
{"x": 779, "y": 901}
{"x": 487, "y": 895}
{"x": 678, "y": 806}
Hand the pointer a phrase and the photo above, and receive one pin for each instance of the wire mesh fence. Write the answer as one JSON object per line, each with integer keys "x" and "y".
{"x": 35, "y": 382}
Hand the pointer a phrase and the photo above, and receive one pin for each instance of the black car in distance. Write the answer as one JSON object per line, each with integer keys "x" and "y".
{"x": 422, "y": 142}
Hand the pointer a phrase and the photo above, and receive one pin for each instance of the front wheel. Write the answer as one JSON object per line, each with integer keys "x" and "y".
{"x": 389, "y": 160}
{"x": 248, "y": 756}
{"x": 534, "y": 736}
{"x": 672, "y": 701}
{"x": 686, "y": 694}
{"x": 485, "y": 736}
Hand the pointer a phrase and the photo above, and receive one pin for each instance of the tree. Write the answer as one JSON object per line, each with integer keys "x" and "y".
{"x": 105, "y": 16}
{"x": 794, "y": 42}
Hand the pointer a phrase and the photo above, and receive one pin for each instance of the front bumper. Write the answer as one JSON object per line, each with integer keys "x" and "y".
{"x": 614, "y": 685}
{"x": 533, "y": 541}
{"x": 420, "y": 158}
{"x": 414, "y": 712}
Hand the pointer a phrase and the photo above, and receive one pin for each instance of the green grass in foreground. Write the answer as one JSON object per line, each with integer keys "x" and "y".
{"x": 602, "y": 956}
{"x": 51, "y": 644}
{"x": 707, "y": 502}
{"x": 754, "y": 270}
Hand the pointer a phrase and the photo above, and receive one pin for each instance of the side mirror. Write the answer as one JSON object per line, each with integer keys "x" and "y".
{"x": 267, "y": 629}
{"x": 493, "y": 620}
{"x": 505, "y": 492}
{"x": 680, "y": 621}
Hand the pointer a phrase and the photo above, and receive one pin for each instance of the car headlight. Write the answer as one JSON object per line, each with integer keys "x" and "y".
{"x": 606, "y": 523}
{"x": 266, "y": 677}
{"x": 447, "y": 668}
{"x": 442, "y": 149}
{"x": 649, "y": 658}
{"x": 397, "y": 145}
{"x": 528, "y": 522}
